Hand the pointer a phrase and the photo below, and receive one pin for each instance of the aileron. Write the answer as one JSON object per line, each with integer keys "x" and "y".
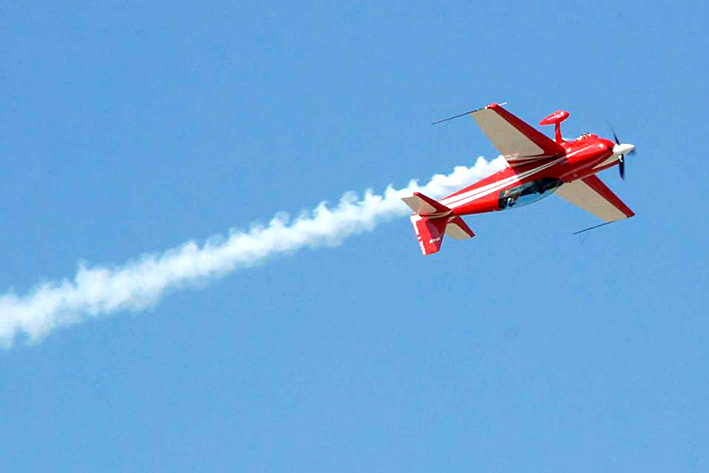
{"x": 593, "y": 196}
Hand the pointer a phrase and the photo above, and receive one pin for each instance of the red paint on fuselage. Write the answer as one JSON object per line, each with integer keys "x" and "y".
{"x": 581, "y": 158}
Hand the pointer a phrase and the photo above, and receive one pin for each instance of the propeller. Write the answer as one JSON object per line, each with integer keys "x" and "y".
{"x": 624, "y": 149}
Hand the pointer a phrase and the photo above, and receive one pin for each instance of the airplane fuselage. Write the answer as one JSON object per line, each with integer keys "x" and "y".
{"x": 524, "y": 184}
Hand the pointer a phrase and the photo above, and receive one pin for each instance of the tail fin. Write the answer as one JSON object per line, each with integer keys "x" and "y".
{"x": 429, "y": 232}
{"x": 432, "y": 220}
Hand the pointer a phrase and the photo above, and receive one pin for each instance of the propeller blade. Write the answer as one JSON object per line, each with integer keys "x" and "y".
{"x": 621, "y": 166}
{"x": 615, "y": 137}
{"x": 621, "y": 158}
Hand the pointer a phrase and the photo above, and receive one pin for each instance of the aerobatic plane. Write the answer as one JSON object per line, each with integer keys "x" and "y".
{"x": 537, "y": 167}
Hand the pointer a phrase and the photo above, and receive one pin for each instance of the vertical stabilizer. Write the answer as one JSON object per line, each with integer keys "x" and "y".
{"x": 432, "y": 220}
{"x": 429, "y": 232}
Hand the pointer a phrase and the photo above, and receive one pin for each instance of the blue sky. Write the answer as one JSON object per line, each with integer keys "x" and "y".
{"x": 131, "y": 128}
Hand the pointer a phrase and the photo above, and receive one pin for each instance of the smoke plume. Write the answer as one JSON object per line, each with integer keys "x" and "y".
{"x": 100, "y": 291}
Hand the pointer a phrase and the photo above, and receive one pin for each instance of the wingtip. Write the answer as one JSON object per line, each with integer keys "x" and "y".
{"x": 495, "y": 105}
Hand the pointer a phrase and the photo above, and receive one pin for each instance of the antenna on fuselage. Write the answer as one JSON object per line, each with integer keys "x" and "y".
{"x": 555, "y": 119}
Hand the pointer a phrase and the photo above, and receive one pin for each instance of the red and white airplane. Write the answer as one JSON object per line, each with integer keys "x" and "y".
{"x": 537, "y": 168}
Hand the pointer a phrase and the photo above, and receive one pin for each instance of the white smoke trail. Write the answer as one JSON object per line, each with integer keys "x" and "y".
{"x": 100, "y": 291}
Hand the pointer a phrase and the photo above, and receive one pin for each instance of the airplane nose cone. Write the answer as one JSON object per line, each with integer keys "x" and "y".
{"x": 623, "y": 148}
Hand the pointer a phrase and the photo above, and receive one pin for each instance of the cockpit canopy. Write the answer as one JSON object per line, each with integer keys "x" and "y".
{"x": 528, "y": 193}
{"x": 585, "y": 136}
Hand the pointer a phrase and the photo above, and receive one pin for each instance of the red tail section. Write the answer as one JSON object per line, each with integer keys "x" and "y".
{"x": 432, "y": 220}
{"x": 457, "y": 228}
{"x": 429, "y": 232}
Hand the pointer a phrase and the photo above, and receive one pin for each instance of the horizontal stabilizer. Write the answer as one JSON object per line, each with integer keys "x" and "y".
{"x": 458, "y": 229}
{"x": 425, "y": 206}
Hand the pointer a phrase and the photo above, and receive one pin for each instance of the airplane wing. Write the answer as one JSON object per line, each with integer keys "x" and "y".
{"x": 517, "y": 141}
{"x": 592, "y": 195}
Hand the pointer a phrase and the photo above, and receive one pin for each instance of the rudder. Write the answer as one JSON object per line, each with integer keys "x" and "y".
{"x": 432, "y": 220}
{"x": 429, "y": 232}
